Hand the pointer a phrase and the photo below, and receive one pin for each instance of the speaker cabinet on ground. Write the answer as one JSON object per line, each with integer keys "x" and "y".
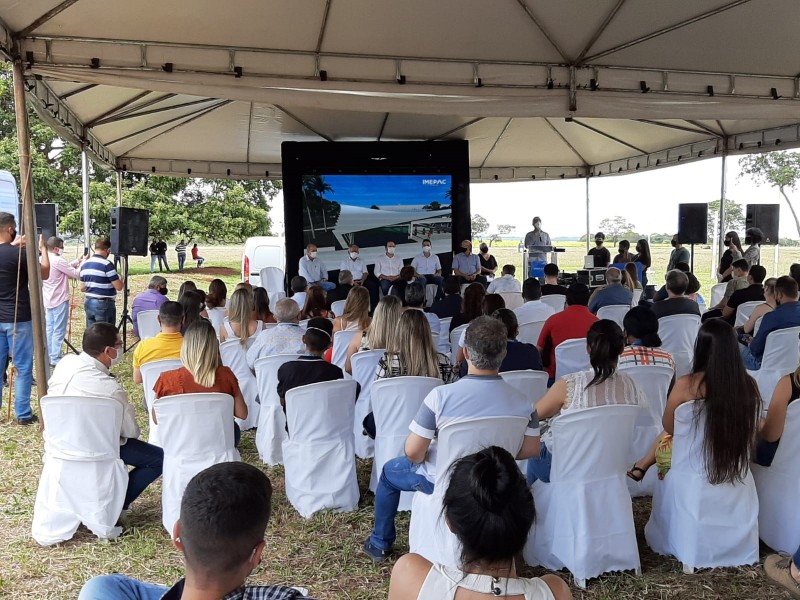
{"x": 46, "y": 219}
{"x": 693, "y": 223}
{"x": 766, "y": 218}
{"x": 129, "y": 230}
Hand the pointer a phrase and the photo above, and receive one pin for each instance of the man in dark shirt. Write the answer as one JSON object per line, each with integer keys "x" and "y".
{"x": 551, "y": 285}
{"x": 752, "y": 293}
{"x": 340, "y": 291}
{"x": 161, "y": 247}
{"x": 785, "y": 315}
{"x": 600, "y": 252}
{"x": 450, "y": 305}
{"x": 519, "y": 356}
{"x": 676, "y": 303}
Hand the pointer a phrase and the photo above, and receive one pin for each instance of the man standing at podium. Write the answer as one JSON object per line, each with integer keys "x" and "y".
{"x": 537, "y": 237}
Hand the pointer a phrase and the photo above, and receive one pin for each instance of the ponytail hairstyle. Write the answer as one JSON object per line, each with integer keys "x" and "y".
{"x": 489, "y": 506}
{"x": 605, "y": 344}
{"x": 240, "y": 310}
{"x": 641, "y": 323}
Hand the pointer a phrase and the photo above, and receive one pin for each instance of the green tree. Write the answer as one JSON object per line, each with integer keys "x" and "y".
{"x": 734, "y": 217}
{"x": 479, "y": 226}
{"x": 777, "y": 169}
{"x": 614, "y": 227}
{"x": 502, "y": 230}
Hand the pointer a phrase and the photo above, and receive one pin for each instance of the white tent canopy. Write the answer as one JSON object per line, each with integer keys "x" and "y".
{"x": 540, "y": 88}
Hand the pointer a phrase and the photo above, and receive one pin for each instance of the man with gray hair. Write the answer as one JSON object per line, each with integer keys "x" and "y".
{"x": 285, "y": 338}
{"x": 481, "y": 393}
{"x": 151, "y": 299}
{"x": 613, "y": 292}
{"x": 677, "y": 303}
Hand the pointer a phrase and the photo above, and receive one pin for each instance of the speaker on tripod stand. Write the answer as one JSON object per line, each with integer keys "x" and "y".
{"x": 129, "y": 231}
{"x": 693, "y": 225}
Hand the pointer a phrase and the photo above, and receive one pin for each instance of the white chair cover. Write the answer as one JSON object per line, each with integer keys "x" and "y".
{"x": 150, "y": 373}
{"x": 702, "y": 525}
{"x": 217, "y": 318}
{"x": 271, "y": 420}
{"x": 614, "y": 312}
{"x": 757, "y": 326}
{"x": 637, "y": 295}
{"x": 430, "y": 294}
{"x": 338, "y": 307}
{"x": 319, "y": 460}
{"x": 556, "y": 301}
{"x": 717, "y": 293}
{"x": 274, "y": 297}
{"x": 512, "y": 299}
{"x": 781, "y": 356}
{"x": 678, "y": 334}
{"x": 364, "y": 364}
{"x": 455, "y": 335}
{"x": 395, "y": 403}
{"x": 444, "y": 335}
{"x": 83, "y": 479}
{"x": 428, "y": 534}
{"x": 779, "y": 487}
{"x": 147, "y": 324}
{"x": 532, "y": 384}
{"x": 341, "y": 341}
{"x": 744, "y": 310}
{"x": 272, "y": 280}
{"x": 529, "y": 332}
{"x": 585, "y": 515}
{"x": 234, "y": 356}
{"x": 571, "y": 357}
{"x": 197, "y": 432}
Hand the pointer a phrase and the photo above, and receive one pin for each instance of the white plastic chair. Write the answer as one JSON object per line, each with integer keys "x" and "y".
{"x": 700, "y": 524}
{"x": 529, "y": 332}
{"x": 614, "y": 312}
{"x": 637, "y": 295}
{"x": 234, "y": 356}
{"x": 338, "y": 307}
{"x": 395, "y": 403}
{"x": 556, "y": 301}
{"x": 717, "y": 293}
{"x": 364, "y": 364}
{"x": 678, "y": 334}
{"x": 512, "y": 299}
{"x": 83, "y": 479}
{"x": 217, "y": 318}
{"x": 341, "y": 341}
{"x": 455, "y": 335}
{"x": 781, "y": 356}
{"x": 147, "y": 324}
{"x": 744, "y": 310}
{"x": 571, "y": 357}
{"x": 443, "y": 344}
{"x": 197, "y": 432}
{"x": 585, "y": 515}
{"x": 150, "y": 373}
{"x": 428, "y": 534}
{"x": 271, "y": 420}
{"x": 318, "y": 455}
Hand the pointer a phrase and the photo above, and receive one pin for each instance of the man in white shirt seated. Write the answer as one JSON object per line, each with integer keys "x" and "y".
{"x": 387, "y": 268}
{"x": 299, "y": 285}
{"x": 356, "y": 266}
{"x": 314, "y": 270}
{"x": 506, "y": 282}
{"x": 285, "y": 338}
{"x": 482, "y": 393}
{"x": 415, "y": 300}
{"x": 428, "y": 267}
{"x": 87, "y": 375}
{"x": 533, "y": 309}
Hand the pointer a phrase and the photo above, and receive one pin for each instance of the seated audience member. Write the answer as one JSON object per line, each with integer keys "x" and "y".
{"x": 752, "y": 293}
{"x": 165, "y": 345}
{"x": 355, "y": 316}
{"x": 533, "y": 309}
{"x": 488, "y": 262}
{"x": 603, "y": 385}
{"x": 730, "y": 402}
{"x": 630, "y": 277}
{"x": 785, "y": 315}
{"x": 387, "y": 268}
{"x": 244, "y": 285}
{"x": 342, "y": 289}
{"x": 771, "y": 428}
{"x": 661, "y": 293}
{"x": 217, "y": 294}
{"x": 261, "y": 310}
{"x": 240, "y": 323}
{"x": 86, "y": 375}
{"x": 415, "y": 300}
{"x": 739, "y": 282}
{"x": 471, "y": 305}
{"x": 299, "y": 285}
{"x": 428, "y": 268}
{"x": 315, "y": 304}
{"x": 399, "y": 285}
{"x": 506, "y": 282}
{"x": 489, "y": 508}
{"x": 599, "y": 251}
{"x": 551, "y": 285}
{"x": 571, "y": 323}
{"x": 612, "y": 293}
{"x": 491, "y": 303}
{"x": 467, "y": 266}
{"x": 447, "y": 404}
{"x": 676, "y": 303}
{"x": 450, "y": 305}
{"x": 746, "y": 330}
{"x": 783, "y": 570}
{"x": 223, "y": 520}
{"x": 693, "y": 289}
{"x": 192, "y": 305}
{"x": 519, "y": 356}
{"x": 381, "y": 330}
{"x": 624, "y": 255}
{"x": 285, "y": 338}
{"x": 643, "y": 345}
{"x": 412, "y": 351}
{"x": 794, "y": 272}
{"x": 151, "y": 299}
{"x": 313, "y": 269}
{"x": 186, "y": 286}
{"x": 202, "y": 372}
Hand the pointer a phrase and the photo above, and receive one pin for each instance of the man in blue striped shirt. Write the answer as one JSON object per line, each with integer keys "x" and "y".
{"x": 100, "y": 282}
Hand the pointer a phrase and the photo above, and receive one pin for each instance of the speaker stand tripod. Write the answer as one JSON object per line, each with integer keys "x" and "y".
{"x": 126, "y": 317}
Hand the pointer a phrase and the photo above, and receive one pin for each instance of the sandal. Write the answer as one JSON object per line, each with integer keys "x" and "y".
{"x": 633, "y": 473}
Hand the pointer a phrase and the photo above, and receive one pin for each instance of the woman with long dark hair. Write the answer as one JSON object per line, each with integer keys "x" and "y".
{"x": 315, "y": 303}
{"x": 732, "y": 253}
{"x": 471, "y": 305}
{"x": 728, "y": 397}
{"x": 643, "y": 256}
{"x": 261, "y": 310}
{"x": 192, "y": 303}
{"x": 217, "y": 294}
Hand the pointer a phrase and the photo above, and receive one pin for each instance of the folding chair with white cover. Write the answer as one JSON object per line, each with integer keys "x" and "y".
{"x": 781, "y": 356}
{"x": 444, "y": 335}
{"x": 364, "y": 365}
{"x": 529, "y": 332}
{"x": 395, "y": 403}
{"x": 614, "y": 312}
{"x": 150, "y": 373}
{"x": 744, "y": 310}
{"x": 678, "y": 334}
{"x": 272, "y": 280}
{"x": 428, "y": 533}
{"x": 779, "y": 487}
{"x": 512, "y": 299}
{"x": 532, "y": 384}
{"x": 700, "y": 524}
{"x": 83, "y": 479}
{"x": 430, "y": 294}
{"x": 637, "y": 295}
{"x": 217, "y": 318}
{"x": 585, "y": 515}
{"x": 717, "y": 293}
{"x": 234, "y": 356}
{"x": 455, "y": 335}
{"x": 654, "y": 381}
{"x": 271, "y": 420}
{"x": 572, "y": 357}
{"x": 556, "y": 301}
{"x": 147, "y": 324}
{"x": 318, "y": 455}
{"x": 341, "y": 341}
{"x": 338, "y": 307}
{"x": 197, "y": 432}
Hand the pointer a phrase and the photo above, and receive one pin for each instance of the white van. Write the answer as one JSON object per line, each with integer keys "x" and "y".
{"x": 260, "y": 252}
{"x": 9, "y": 197}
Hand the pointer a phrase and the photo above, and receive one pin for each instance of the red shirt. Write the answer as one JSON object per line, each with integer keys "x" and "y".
{"x": 571, "y": 323}
{"x": 180, "y": 381}
{"x": 195, "y": 252}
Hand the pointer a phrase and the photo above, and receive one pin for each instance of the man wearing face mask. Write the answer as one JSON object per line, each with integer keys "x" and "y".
{"x": 600, "y": 251}
{"x": 55, "y": 294}
{"x": 387, "y": 267}
{"x": 151, "y": 299}
{"x": 100, "y": 282}
{"x": 87, "y": 375}
{"x": 679, "y": 254}
{"x": 358, "y": 269}
{"x": 314, "y": 270}
{"x": 166, "y": 344}
{"x": 467, "y": 266}
{"x": 427, "y": 267}
{"x": 537, "y": 237}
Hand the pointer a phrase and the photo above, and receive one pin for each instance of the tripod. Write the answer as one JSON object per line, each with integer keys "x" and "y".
{"x": 126, "y": 317}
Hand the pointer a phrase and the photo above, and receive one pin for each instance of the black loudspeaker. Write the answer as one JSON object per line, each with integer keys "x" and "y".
{"x": 129, "y": 230}
{"x": 693, "y": 223}
{"x": 46, "y": 219}
{"x": 766, "y": 218}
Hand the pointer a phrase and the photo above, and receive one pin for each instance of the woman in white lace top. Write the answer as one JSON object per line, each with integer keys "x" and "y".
{"x": 600, "y": 386}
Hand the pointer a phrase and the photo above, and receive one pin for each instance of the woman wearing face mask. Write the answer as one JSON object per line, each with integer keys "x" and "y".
{"x": 643, "y": 257}
{"x": 733, "y": 253}
{"x": 488, "y": 263}
{"x": 753, "y": 237}
{"x": 624, "y": 255}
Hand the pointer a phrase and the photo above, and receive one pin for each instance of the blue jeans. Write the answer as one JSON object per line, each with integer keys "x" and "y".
{"x": 119, "y": 587}
{"x": 750, "y": 362}
{"x": 326, "y": 285}
{"x": 56, "y": 319}
{"x": 200, "y": 260}
{"x": 181, "y": 261}
{"x": 147, "y": 461}
{"x": 436, "y": 280}
{"x": 23, "y": 361}
{"x": 398, "y": 475}
{"x": 539, "y": 467}
{"x": 385, "y": 285}
{"x": 796, "y": 558}
{"x": 153, "y": 259}
{"x": 162, "y": 258}
{"x": 100, "y": 310}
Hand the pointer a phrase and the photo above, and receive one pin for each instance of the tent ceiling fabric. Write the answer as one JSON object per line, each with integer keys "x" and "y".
{"x": 540, "y": 88}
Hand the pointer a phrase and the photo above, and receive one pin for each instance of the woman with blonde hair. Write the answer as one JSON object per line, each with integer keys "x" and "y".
{"x": 315, "y": 304}
{"x": 380, "y": 333}
{"x": 412, "y": 351}
{"x": 356, "y": 311}
{"x": 240, "y": 322}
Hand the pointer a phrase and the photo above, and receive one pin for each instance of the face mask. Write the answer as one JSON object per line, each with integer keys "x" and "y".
{"x": 313, "y": 254}
{"x": 390, "y": 250}
{"x": 674, "y": 244}
{"x": 117, "y": 359}
{"x": 484, "y": 249}
{"x": 354, "y": 255}
{"x": 426, "y": 249}
{"x": 536, "y": 225}
{"x": 163, "y": 291}
{"x": 727, "y": 242}
{"x": 598, "y": 243}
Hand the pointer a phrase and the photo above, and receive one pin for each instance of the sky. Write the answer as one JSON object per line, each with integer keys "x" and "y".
{"x": 388, "y": 190}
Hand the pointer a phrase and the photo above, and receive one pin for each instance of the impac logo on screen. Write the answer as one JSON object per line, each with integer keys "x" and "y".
{"x": 434, "y": 181}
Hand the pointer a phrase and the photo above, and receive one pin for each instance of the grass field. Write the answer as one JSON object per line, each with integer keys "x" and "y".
{"x": 321, "y": 553}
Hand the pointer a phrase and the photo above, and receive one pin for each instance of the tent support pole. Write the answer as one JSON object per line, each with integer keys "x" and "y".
{"x": 722, "y": 193}
{"x": 85, "y": 186}
{"x": 119, "y": 188}
{"x": 588, "y": 235}
{"x": 29, "y": 225}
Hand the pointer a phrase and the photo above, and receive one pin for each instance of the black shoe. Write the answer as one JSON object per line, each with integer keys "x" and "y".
{"x": 374, "y": 552}
{"x": 29, "y": 421}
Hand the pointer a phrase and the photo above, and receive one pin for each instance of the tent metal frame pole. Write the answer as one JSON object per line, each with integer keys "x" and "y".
{"x": 722, "y": 197}
{"x": 29, "y": 223}
{"x": 85, "y": 201}
{"x": 119, "y": 188}
{"x": 588, "y": 235}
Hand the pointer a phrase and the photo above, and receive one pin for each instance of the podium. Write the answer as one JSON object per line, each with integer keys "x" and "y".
{"x": 533, "y": 266}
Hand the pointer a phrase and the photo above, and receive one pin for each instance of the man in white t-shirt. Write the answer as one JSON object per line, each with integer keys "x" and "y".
{"x": 506, "y": 282}
{"x": 387, "y": 268}
{"x": 466, "y": 399}
{"x": 428, "y": 267}
{"x": 533, "y": 309}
